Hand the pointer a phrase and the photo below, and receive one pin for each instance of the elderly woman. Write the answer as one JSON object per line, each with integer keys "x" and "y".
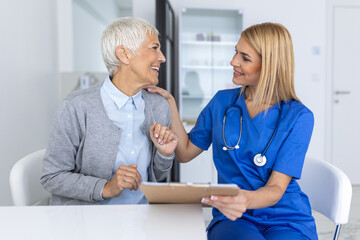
{"x": 102, "y": 143}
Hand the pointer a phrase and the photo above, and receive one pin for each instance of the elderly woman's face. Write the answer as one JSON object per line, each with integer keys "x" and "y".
{"x": 146, "y": 63}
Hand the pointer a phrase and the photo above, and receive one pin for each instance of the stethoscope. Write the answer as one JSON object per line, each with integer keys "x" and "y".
{"x": 260, "y": 158}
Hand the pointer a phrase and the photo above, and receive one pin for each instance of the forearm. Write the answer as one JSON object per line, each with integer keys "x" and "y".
{"x": 270, "y": 194}
{"x": 263, "y": 197}
{"x": 182, "y": 150}
{"x": 162, "y": 166}
{"x": 73, "y": 185}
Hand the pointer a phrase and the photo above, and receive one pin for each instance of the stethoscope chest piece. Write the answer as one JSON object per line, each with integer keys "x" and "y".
{"x": 259, "y": 160}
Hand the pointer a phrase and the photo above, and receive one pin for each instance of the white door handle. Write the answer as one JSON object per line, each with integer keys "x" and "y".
{"x": 342, "y": 92}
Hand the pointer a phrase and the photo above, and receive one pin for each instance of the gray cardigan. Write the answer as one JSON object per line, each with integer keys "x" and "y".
{"x": 83, "y": 145}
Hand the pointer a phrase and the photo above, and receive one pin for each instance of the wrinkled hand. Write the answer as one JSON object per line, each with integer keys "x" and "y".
{"x": 125, "y": 177}
{"x": 232, "y": 207}
{"x": 164, "y": 139}
{"x": 162, "y": 92}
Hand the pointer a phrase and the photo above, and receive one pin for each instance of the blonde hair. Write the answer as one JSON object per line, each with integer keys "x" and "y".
{"x": 129, "y": 32}
{"x": 272, "y": 41}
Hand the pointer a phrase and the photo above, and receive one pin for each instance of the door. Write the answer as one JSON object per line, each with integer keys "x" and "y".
{"x": 346, "y": 90}
{"x": 165, "y": 23}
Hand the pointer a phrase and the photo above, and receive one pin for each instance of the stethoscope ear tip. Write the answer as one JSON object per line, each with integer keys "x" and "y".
{"x": 230, "y": 148}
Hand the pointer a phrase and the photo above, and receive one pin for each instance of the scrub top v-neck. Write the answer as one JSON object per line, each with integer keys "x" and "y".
{"x": 286, "y": 154}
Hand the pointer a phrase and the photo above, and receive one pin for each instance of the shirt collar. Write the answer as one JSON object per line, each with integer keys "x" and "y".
{"x": 118, "y": 97}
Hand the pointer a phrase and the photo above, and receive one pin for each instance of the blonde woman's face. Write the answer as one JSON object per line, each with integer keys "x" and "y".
{"x": 246, "y": 63}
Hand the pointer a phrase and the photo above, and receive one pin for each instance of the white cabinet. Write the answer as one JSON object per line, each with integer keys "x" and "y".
{"x": 207, "y": 39}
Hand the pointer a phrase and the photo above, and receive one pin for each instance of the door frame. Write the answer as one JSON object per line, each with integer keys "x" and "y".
{"x": 329, "y": 85}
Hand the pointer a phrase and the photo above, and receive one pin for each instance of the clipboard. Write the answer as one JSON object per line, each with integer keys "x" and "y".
{"x": 184, "y": 192}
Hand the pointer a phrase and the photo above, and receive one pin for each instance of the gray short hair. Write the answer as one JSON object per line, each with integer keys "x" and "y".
{"x": 128, "y": 32}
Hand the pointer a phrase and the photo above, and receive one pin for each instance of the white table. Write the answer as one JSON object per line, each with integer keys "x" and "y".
{"x": 162, "y": 221}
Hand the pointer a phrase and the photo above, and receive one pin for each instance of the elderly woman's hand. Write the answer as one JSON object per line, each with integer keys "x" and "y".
{"x": 125, "y": 177}
{"x": 164, "y": 139}
{"x": 232, "y": 207}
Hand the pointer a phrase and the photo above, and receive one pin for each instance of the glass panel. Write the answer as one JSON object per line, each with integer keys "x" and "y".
{"x": 90, "y": 18}
{"x": 207, "y": 41}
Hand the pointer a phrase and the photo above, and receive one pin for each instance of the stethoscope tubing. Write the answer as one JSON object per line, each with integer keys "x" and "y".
{"x": 275, "y": 130}
{"x": 260, "y": 158}
{"x": 227, "y": 147}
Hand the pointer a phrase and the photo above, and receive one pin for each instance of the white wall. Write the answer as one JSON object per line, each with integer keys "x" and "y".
{"x": 29, "y": 46}
{"x": 28, "y": 68}
{"x": 80, "y": 25}
{"x": 90, "y": 18}
{"x": 145, "y": 10}
{"x": 306, "y": 21}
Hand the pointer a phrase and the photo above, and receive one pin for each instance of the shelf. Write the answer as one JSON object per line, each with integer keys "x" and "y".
{"x": 209, "y": 43}
{"x": 204, "y": 65}
{"x": 199, "y": 67}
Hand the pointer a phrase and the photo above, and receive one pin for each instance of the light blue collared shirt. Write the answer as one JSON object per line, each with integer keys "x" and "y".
{"x": 128, "y": 113}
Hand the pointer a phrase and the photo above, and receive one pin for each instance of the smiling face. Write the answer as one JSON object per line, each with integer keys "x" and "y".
{"x": 246, "y": 63}
{"x": 145, "y": 64}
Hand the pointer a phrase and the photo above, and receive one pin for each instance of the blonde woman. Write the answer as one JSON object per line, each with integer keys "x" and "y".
{"x": 260, "y": 134}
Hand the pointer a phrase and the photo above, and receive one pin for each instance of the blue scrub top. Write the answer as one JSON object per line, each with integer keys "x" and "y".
{"x": 286, "y": 155}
